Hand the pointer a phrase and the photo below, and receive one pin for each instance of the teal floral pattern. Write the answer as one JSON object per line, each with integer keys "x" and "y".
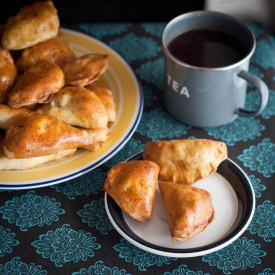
{"x": 267, "y": 271}
{"x": 260, "y": 158}
{"x": 133, "y": 47}
{"x": 16, "y": 266}
{"x": 7, "y": 241}
{"x": 149, "y": 97}
{"x": 132, "y": 147}
{"x": 140, "y": 258}
{"x": 183, "y": 270}
{"x": 242, "y": 254}
{"x": 242, "y": 129}
{"x": 101, "y": 30}
{"x": 100, "y": 269}
{"x": 153, "y": 28}
{"x": 264, "y": 54}
{"x": 257, "y": 186}
{"x": 91, "y": 183}
{"x": 66, "y": 245}
{"x": 31, "y": 210}
{"x": 157, "y": 124}
{"x": 252, "y": 102}
{"x": 263, "y": 222}
{"x": 94, "y": 215}
{"x": 152, "y": 72}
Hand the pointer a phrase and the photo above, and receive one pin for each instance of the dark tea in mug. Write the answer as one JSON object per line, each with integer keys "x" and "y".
{"x": 207, "y": 48}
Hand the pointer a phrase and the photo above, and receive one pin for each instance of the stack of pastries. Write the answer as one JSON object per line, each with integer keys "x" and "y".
{"x": 50, "y": 101}
{"x": 174, "y": 165}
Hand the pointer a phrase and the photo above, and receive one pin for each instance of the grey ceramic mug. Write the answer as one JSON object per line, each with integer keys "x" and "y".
{"x": 209, "y": 97}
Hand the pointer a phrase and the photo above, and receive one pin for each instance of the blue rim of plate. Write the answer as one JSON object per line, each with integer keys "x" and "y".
{"x": 116, "y": 149}
{"x": 246, "y": 207}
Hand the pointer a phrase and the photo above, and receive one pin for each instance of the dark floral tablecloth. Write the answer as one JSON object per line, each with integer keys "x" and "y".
{"x": 64, "y": 229}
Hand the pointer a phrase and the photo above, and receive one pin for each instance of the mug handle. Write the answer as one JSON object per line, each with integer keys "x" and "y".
{"x": 262, "y": 89}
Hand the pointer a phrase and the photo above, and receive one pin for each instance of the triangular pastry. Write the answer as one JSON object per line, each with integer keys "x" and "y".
{"x": 34, "y": 135}
{"x": 34, "y": 23}
{"x": 133, "y": 185}
{"x": 77, "y": 106}
{"x": 189, "y": 209}
{"x": 186, "y": 161}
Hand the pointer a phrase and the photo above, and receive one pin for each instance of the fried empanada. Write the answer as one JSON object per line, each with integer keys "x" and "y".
{"x": 186, "y": 160}
{"x": 35, "y": 135}
{"x": 132, "y": 185}
{"x": 78, "y": 106}
{"x": 27, "y": 163}
{"x": 189, "y": 209}
{"x": 8, "y": 116}
{"x": 36, "y": 85}
{"x": 107, "y": 99}
{"x": 8, "y": 73}
{"x": 86, "y": 69}
{"x": 55, "y": 50}
{"x": 34, "y": 23}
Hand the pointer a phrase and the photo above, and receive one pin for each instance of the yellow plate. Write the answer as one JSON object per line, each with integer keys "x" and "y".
{"x": 129, "y": 102}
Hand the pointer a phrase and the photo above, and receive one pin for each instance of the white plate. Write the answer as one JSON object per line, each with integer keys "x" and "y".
{"x": 234, "y": 204}
{"x": 129, "y": 102}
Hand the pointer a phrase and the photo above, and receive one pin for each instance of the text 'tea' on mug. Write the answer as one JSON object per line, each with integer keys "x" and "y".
{"x": 207, "y": 58}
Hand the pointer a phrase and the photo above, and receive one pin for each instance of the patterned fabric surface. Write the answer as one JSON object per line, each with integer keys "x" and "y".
{"x": 64, "y": 229}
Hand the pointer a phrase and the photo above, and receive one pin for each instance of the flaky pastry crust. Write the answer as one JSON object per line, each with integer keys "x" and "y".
{"x": 33, "y": 24}
{"x": 186, "y": 160}
{"x": 36, "y": 85}
{"x": 189, "y": 209}
{"x": 133, "y": 185}
{"x": 86, "y": 69}
{"x": 78, "y": 106}
{"x": 55, "y": 50}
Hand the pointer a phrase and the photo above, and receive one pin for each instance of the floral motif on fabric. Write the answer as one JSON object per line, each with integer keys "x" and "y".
{"x": 140, "y": 258}
{"x": 90, "y": 183}
{"x": 133, "y": 47}
{"x": 242, "y": 254}
{"x": 7, "y": 241}
{"x": 241, "y": 129}
{"x": 132, "y": 147}
{"x": 31, "y": 210}
{"x": 260, "y": 158}
{"x": 264, "y": 53}
{"x": 66, "y": 245}
{"x": 257, "y": 186}
{"x": 183, "y": 270}
{"x": 253, "y": 101}
{"x": 263, "y": 222}
{"x": 153, "y": 28}
{"x": 152, "y": 72}
{"x": 158, "y": 124}
{"x": 100, "y": 269}
{"x": 94, "y": 215}
{"x": 16, "y": 266}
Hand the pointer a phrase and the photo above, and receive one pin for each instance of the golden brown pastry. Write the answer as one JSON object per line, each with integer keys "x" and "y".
{"x": 8, "y": 116}
{"x": 34, "y": 23}
{"x": 186, "y": 161}
{"x": 36, "y": 135}
{"x": 36, "y": 85}
{"x": 86, "y": 69}
{"x": 189, "y": 209}
{"x": 133, "y": 185}
{"x": 107, "y": 99}
{"x": 78, "y": 106}
{"x": 27, "y": 163}
{"x": 8, "y": 73}
{"x": 55, "y": 50}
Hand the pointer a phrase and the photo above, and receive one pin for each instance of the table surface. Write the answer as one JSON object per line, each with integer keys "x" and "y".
{"x": 43, "y": 231}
